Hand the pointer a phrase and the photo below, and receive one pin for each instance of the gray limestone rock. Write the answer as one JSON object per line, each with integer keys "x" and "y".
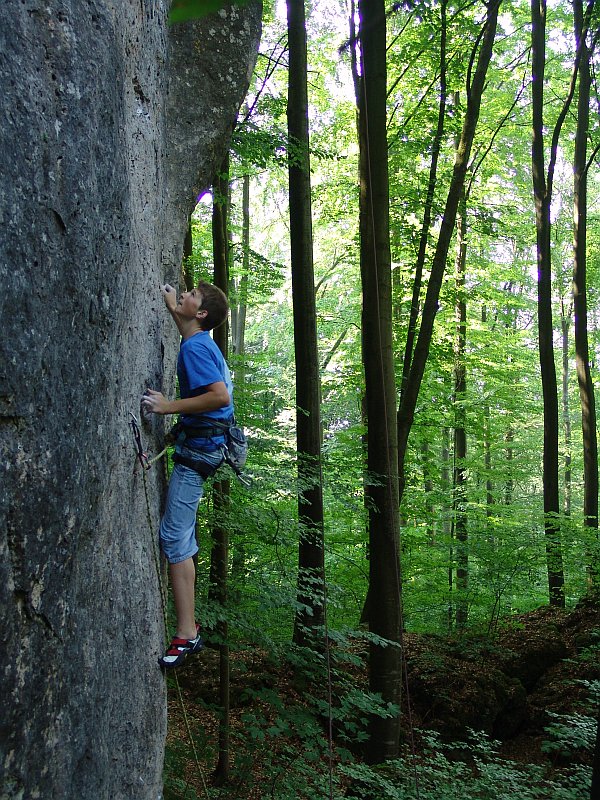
{"x": 110, "y": 125}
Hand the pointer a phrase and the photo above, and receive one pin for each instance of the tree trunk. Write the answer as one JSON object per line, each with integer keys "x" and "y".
{"x": 487, "y": 449}
{"x": 95, "y": 97}
{"x": 582, "y": 357}
{"x": 384, "y": 564}
{"x": 460, "y": 434}
{"x": 428, "y": 487}
{"x": 238, "y": 346}
{"x": 567, "y": 490}
{"x": 219, "y": 562}
{"x": 311, "y": 569}
{"x": 509, "y": 485}
{"x": 428, "y": 206}
{"x": 448, "y": 527}
{"x": 410, "y": 394}
{"x": 219, "y": 557}
{"x": 239, "y": 310}
{"x": 220, "y": 213}
{"x": 543, "y": 195}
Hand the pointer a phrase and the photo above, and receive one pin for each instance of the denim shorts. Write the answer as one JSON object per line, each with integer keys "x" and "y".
{"x": 178, "y": 525}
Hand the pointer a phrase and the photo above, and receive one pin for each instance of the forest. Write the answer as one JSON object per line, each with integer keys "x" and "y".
{"x": 400, "y": 599}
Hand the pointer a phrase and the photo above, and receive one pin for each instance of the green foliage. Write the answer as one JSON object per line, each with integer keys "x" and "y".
{"x": 503, "y": 496}
{"x": 501, "y": 405}
{"x": 184, "y": 10}
{"x": 472, "y": 769}
{"x": 257, "y": 147}
{"x": 300, "y": 766}
{"x": 570, "y": 734}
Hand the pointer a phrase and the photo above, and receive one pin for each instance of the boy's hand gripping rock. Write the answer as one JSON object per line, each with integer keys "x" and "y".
{"x": 170, "y": 296}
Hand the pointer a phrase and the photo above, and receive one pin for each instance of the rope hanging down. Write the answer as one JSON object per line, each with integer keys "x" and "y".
{"x": 146, "y": 463}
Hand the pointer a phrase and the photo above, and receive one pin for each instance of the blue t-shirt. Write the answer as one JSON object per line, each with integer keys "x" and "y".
{"x": 199, "y": 364}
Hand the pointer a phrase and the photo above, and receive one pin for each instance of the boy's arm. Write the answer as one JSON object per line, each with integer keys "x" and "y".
{"x": 170, "y": 297}
{"x": 216, "y": 396}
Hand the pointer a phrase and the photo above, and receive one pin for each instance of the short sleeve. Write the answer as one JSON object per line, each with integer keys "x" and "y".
{"x": 201, "y": 366}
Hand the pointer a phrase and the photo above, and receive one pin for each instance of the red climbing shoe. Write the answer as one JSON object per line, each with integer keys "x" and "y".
{"x": 179, "y": 649}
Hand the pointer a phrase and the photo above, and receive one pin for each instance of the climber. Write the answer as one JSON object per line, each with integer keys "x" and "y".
{"x": 206, "y": 394}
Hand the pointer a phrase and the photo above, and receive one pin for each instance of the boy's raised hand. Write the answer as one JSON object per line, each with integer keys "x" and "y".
{"x": 170, "y": 296}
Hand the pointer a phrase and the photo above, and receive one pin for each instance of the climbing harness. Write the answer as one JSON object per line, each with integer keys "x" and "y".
{"x": 234, "y": 450}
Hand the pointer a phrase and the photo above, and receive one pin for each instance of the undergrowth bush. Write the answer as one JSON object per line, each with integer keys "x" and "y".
{"x": 282, "y": 751}
{"x": 455, "y": 771}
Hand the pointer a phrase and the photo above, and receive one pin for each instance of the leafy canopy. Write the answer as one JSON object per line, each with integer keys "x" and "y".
{"x": 183, "y": 10}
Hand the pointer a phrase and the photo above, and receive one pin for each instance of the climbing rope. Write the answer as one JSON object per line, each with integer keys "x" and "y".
{"x": 191, "y": 738}
{"x": 146, "y": 463}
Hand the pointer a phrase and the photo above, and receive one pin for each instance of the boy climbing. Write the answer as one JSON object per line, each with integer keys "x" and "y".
{"x": 206, "y": 395}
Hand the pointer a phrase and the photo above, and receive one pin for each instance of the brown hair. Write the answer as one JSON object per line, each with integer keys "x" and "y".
{"x": 214, "y": 302}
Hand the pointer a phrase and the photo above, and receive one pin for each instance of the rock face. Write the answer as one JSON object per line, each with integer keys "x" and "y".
{"x": 110, "y": 124}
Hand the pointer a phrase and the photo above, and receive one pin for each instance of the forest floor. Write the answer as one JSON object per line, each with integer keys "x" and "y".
{"x": 508, "y": 685}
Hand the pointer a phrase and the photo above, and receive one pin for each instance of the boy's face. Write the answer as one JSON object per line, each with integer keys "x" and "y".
{"x": 189, "y": 303}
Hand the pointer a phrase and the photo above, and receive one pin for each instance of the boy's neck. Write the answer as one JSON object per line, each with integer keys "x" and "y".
{"x": 190, "y": 328}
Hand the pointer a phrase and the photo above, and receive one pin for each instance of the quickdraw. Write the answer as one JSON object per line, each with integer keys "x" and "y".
{"x": 143, "y": 457}
{"x": 137, "y": 436}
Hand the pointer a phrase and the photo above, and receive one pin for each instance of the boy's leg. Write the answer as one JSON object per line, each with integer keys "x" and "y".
{"x": 183, "y": 576}
{"x": 178, "y": 542}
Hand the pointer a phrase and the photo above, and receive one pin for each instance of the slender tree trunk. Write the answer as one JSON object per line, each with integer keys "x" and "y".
{"x": 509, "y": 436}
{"x": 311, "y": 566}
{"x": 411, "y": 388}
{"x": 543, "y": 195}
{"x": 239, "y": 289}
{"x": 357, "y": 83}
{"x": 219, "y": 562}
{"x": 487, "y": 449}
{"x": 364, "y": 442}
{"x": 509, "y": 485}
{"x": 428, "y": 206}
{"x": 487, "y": 458}
{"x": 220, "y": 213}
{"x": 221, "y": 489}
{"x": 564, "y": 324}
{"x": 410, "y": 394}
{"x": 428, "y": 488}
{"x": 582, "y": 357}
{"x": 377, "y": 347}
{"x": 448, "y": 524}
{"x": 460, "y": 435}
{"x": 238, "y": 346}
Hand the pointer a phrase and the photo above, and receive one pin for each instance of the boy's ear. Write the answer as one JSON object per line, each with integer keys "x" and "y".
{"x": 201, "y": 313}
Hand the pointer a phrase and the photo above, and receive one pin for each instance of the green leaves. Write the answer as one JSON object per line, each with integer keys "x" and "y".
{"x": 183, "y": 10}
